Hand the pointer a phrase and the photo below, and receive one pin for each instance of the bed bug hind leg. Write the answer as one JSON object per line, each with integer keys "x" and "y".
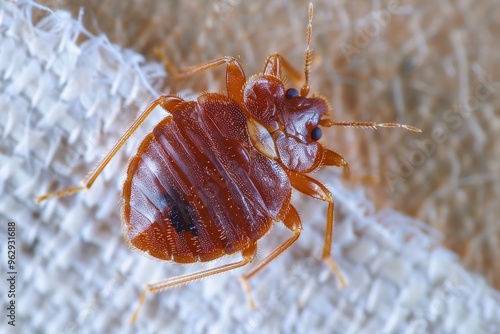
{"x": 151, "y": 288}
{"x": 313, "y": 188}
{"x": 167, "y": 102}
{"x": 292, "y": 222}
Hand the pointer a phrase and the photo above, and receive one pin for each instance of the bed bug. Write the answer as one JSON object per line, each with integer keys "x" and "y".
{"x": 214, "y": 175}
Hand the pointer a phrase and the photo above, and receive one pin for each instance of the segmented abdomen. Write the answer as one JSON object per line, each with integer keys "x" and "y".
{"x": 197, "y": 189}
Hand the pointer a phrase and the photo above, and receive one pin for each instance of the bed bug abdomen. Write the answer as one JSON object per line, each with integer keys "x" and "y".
{"x": 194, "y": 191}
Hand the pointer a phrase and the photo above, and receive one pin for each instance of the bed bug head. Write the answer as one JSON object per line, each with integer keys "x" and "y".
{"x": 268, "y": 102}
{"x": 284, "y": 124}
{"x": 301, "y": 115}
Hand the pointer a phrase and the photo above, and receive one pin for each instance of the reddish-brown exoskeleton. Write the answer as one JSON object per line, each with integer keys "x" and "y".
{"x": 213, "y": 177}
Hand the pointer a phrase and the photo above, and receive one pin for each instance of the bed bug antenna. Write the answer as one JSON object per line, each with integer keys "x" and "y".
{"x": 307, "y": 66}
{"x": 370, "y": 125}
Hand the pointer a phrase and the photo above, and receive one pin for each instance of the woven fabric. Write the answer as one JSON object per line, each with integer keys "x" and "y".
{"x": 65, "y": 98}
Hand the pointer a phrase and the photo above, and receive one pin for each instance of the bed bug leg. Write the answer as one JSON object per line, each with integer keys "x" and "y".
{"x": 167, "y": 102}
{"x": 292, "y": 222}
{"x": 331, "y": 158}
{"x": 235, "y": 79}
{"x": 275, "y": 62}
{"x": 311, "y": 187}
{"x": 151, "y": 288}
{"x": 235, "y": 76}
{"x": 274, "y": 65}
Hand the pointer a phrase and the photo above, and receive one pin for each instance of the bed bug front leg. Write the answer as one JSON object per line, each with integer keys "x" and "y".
{"x": 167, "y": 102}
{"x": 292, "y": 222}
{"x": 332, "y": 158}
{"x": 313, "y": 188}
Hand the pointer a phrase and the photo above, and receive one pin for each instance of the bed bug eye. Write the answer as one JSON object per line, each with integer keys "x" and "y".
{"x": 316, "y": 134}
{"x": 291, "y": 93}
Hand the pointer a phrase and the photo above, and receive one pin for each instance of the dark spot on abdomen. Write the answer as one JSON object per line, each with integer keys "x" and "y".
{"x": 180, "y": 214}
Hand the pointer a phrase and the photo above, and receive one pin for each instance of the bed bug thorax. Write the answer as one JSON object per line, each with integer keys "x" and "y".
{"x": 214, "y": 175}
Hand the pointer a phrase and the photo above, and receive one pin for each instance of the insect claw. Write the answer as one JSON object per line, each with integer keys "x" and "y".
{"x": 171, "y": 69}
{"x": 142, "y": 298}
{"x": 334, "y": 267}
{"x": 246, "y": 288}
{"x": 346, "y": 172}
{"x": 59, "y": 193}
